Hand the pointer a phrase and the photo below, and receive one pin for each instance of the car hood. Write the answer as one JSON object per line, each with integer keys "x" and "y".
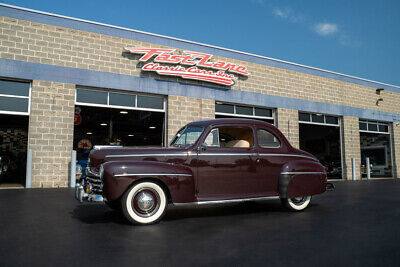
{"x": 100, "y": 155}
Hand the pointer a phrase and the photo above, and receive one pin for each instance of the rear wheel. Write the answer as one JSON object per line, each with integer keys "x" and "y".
{"x": 144, "y": 203}
{"x": 297, "y": 203}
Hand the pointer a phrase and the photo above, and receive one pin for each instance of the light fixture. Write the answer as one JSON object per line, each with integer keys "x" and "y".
{"x": 103, "y": 124}
{"x": 379, "y": 100}
{"x": 89, "y": 133}
{"x": 379, "y": 90}
{"x": 318, "y": 114}
{"x": 130, "y": 135}
{"x": 152, "y": 127}
{"x": 123, "y": 112}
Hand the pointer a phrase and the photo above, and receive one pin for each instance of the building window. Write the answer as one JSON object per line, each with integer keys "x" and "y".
{"x": 374, "y": 127}
{"x": 317, "y": 118}
{"x": 111, "y": 99}
{"x": 224, "y": 110}
{"x": 14, "y": 97}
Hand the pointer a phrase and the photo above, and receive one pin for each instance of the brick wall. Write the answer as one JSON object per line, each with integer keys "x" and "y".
{"x": 182, "y": 110}
{"x": 351, "y": 146}
{"x": 41, "y": 43}
{"x": 51, "y": 126}
{"x": 396, "y": 146}
{"x": 288, "y": 124}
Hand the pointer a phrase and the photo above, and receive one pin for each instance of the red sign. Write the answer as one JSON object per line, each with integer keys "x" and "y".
{"x": 190, "y": 61}
{"x": 77, "y": 119}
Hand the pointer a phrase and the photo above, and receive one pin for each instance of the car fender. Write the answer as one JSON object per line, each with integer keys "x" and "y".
{"x": 177, "y": 179}
{"x": 299, "y": 178}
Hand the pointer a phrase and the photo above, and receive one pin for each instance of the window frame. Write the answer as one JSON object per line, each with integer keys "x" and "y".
{"x": 232, "y": 126}
{"x": 310, "y": 114}
{"x": 18, "y": 96}
{"x": 274, "y": 147}
{"x": 108, "y": 105}
{"x": 234, "y": 114}
{"x": 377, "y": 123}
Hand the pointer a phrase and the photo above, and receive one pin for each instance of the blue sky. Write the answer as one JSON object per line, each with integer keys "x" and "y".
{"x": 359, "y": 38}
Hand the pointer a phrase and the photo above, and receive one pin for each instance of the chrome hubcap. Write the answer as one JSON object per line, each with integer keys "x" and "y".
{"x": 145, "y": 201}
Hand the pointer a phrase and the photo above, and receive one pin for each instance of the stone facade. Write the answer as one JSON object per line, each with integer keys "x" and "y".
{"x": 51, "y": 127}
{"x": 351, "y": 146}
{"x": 182, "y": 110}
{"x": 288, "y": 124}
{"x": 396, "y": 148}
{"x": 52, "y": 104}
{"x": 40, "y": 43}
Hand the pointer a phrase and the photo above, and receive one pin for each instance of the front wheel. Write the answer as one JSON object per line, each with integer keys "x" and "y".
{"x": 297, "y": 203}
{"x": 144, "y": 203}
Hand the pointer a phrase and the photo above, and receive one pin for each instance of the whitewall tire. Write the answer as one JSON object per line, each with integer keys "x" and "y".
{"x": 297, "y": 203}
{"x": 144, "y": 203}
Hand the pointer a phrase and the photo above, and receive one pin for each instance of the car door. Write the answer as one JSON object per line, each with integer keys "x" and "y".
{"x": 270, "y": 159}
{"x": 227, "y": 164}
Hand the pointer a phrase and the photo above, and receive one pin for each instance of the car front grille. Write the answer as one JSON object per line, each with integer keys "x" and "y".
{"x": 94, "y": 180}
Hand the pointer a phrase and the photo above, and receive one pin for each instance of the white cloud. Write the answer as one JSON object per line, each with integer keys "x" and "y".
{"x": 260, "y": 2}
{"x": 287, "y": 14}
{"x": 326, "y": 29}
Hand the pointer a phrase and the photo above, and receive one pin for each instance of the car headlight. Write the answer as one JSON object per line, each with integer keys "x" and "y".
{"x": 101, "y": 171}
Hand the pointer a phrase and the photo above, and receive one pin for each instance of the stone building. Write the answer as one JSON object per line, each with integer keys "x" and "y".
{"x": 69, "y": 84}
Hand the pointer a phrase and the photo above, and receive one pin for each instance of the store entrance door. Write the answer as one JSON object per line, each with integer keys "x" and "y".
{"x": 13, "y": 149}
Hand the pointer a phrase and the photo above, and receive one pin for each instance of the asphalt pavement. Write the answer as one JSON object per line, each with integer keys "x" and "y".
{"x": 356, "y": 225}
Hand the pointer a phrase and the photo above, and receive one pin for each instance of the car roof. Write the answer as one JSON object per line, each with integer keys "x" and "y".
{"x": 206, "y": 123}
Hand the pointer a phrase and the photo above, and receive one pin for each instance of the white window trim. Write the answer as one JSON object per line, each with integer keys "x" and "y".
{"x": 108, "y": 91}
{"x": 19, "y": 96}
{"x": 377, "y": 123}
{"x": 320, "y": 123}
{"x": 243, "y": 116}
{"x": 234, "y": 114}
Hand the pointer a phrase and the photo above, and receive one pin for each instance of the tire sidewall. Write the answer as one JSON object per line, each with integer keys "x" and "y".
{"x": 296, "y": 207}
{"x": 127, "y": 204}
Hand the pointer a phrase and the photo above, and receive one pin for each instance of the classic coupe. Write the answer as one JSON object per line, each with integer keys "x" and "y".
{"x": 207, "y": 162}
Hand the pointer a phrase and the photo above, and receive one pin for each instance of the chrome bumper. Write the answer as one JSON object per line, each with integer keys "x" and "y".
{"x": 81, "y": 195}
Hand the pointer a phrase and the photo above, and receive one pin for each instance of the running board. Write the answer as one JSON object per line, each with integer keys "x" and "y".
{"x": 226, "y": 201}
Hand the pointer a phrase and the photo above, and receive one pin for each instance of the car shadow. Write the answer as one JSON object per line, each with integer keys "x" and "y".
{"x": 245, "y": 208}
{"x": 96, "y": 213}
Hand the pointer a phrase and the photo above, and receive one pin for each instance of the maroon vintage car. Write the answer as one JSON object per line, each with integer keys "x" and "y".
{"x": 214, "y": 161}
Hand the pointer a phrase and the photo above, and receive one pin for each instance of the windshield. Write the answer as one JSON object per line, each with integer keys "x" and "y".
{"x": 187, "y": 136}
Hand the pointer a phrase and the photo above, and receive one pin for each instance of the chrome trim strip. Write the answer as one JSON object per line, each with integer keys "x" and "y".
{"x": 303, "y": 172}
{"x": 225, "y": 201}
{"x": 227, "y": 154}
{"x": 146, "y": 155}
{"x": 288, "y": 155}
{"x": 92, "y": 173}
{"x": 212, "y": 154}
{"x": 152, "y": 174}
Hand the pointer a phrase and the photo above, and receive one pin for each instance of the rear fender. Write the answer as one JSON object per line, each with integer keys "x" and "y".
{"x": 118, "y": 176}
{"x": 299, "y": 178}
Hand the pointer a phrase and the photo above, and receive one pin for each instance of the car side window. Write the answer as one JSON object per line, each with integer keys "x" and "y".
{"x": 230, "y": 137}
{"x": 267, "y": 139}
{"x": 212, "y": 139}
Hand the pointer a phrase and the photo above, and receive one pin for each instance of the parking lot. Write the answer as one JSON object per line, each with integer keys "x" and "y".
{"x": 357, "y": 225}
